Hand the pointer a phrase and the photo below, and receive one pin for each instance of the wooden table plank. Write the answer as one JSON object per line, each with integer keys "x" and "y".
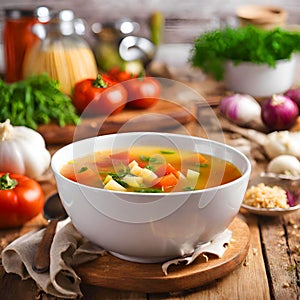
{"x": 99, "y": 293}
{"x": 240, "y": 282}
{"x": 279, "y": 245}
{"x": 248, "y": 281}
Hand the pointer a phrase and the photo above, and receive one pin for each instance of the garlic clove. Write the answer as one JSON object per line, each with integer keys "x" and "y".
{"x": 282, "y": 142}
{"x": 284, "y": 164}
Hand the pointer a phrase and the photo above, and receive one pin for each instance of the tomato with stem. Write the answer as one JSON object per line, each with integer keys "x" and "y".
{"x": 99, "y": 96}
{"x": 21, "y": 199}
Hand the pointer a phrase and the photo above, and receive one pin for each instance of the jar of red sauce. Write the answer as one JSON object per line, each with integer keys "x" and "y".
{"x": 17, "y": 36}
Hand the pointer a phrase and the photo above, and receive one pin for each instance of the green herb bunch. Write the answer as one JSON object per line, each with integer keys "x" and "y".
{"x": 242, "y": 44}
{"x": 34, "y": 101}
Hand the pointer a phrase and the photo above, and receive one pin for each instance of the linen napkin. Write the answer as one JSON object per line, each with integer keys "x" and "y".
{"x": 217, "y": 246}
{"x": 69, "y": 248}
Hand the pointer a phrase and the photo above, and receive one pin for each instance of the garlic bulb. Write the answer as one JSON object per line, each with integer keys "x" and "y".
{"x": 22, "y": 151}
{"x": 282, "y": 142}
{"x": 284, "y": 164}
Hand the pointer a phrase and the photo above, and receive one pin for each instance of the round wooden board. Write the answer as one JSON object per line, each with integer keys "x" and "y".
{"x": 111, "y": 272}
{"x": 164, "y": 114}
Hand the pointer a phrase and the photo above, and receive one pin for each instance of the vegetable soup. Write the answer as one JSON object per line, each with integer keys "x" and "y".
{"x": 150, "y": 170}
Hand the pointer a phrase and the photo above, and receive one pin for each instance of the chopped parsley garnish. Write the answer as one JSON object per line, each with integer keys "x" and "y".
{"x": 123, "y": 170}
{"x": 167, "y": 152}
{"x": 151, "y": 168}
{"x": 188, "y": 188}
{"x": 202, "y": 165}
{"x": 119, "y": 180}
{"x": 144, "y": 158}
{"x": 82, "y": 169}
{"x": 148, "y": 190}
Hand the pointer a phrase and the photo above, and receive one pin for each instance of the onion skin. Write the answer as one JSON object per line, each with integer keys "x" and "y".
{"x": 279, "y": 112}
{"x": 240, "y": 109}
{"x": 294, "y": 94}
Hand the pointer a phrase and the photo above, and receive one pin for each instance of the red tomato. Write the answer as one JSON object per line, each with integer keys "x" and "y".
{"x": 99, "y": 96}
{"x": 21, "y": 199}
{"x": 142, "y": 92}
{"x": 118, "y": 75}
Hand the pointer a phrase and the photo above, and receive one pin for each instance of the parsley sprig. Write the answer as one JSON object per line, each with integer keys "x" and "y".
{"x": 36, "y": 100}
{"x": 242, "y": 44}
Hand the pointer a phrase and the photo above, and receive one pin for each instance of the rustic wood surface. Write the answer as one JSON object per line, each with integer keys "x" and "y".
{"x": 269, "y": 271}
{"x": 108, "y": 271}
{"x": 162, "y": 115}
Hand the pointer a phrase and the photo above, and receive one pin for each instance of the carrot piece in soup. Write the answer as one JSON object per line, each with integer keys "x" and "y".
{"x": 168, "y": 181}
{"x": 196, "y": 158}
{"x": 167, "y": 169}
{"x": 201, "y": 158}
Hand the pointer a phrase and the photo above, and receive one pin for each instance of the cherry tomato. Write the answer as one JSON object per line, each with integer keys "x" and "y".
{"x": 99, "y": 96}
{"x": 21, "y": 199}
{"x": 143, "y": 92}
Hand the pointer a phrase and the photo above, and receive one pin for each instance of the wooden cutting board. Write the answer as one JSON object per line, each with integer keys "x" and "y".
{"x": 165, "y": 114}
{"x": 111, "y": 272}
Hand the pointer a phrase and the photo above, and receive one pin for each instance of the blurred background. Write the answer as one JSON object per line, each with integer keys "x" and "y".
{"x": 183, "y": 20}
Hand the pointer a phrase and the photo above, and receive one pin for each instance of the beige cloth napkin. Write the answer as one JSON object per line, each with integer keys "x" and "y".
{"x": 217, "y": 246}
{"x": 69, "y": 248}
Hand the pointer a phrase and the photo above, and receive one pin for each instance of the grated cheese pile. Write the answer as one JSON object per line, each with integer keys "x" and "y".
{"x": 263, "y": 196}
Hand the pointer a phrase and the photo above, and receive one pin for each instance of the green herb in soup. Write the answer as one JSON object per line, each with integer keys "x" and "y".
{"x": 150, "y": 170}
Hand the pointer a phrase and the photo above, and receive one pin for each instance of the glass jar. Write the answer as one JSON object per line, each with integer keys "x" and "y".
{"x": 17, "y": 36}
{"x": 61, "y": 51}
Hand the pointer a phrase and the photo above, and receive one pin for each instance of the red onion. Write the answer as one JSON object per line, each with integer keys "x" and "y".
{"x": 294, "y": 94}
{"x": 291, "y": 198}
{"x": 240, "y": 109}
{"x": 279, "y": 112}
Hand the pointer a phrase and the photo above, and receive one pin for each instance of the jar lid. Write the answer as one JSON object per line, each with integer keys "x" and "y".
{"x": 261, "y": 14}
{"x": 16, "y": 13}
{"x": 43, "y": 13}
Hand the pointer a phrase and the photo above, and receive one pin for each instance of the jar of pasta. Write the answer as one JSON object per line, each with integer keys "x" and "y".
{"x": 61, "y": 51}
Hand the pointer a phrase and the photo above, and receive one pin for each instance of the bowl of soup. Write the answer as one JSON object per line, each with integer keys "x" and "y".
{"x": 149, "y": 197}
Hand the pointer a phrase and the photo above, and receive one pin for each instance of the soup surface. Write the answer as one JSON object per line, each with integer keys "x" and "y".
{"x": 150, "y": 170}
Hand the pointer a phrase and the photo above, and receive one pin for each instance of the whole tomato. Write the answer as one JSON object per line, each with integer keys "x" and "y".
{"x": 21, "y": 199}
{"x": 119, "y": 75}
{"x": 99, "y": 96}
{"x": 143, "y": 92}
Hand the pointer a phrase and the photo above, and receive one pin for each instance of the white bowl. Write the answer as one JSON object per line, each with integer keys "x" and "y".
{"x": 260, "y": 80}
{"x": 285, "y": 182}
{"x": 150, "y": 227}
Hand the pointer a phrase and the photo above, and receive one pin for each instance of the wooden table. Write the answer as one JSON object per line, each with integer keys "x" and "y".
{"x": 270, "y": 271}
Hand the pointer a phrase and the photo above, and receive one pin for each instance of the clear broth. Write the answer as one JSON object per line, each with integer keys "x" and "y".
{"x": 93, "y": 169}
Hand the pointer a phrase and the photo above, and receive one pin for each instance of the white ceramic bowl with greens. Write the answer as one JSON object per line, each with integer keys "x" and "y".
{"x": 150, "y": 227}
{"x": 260, "y": 80}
